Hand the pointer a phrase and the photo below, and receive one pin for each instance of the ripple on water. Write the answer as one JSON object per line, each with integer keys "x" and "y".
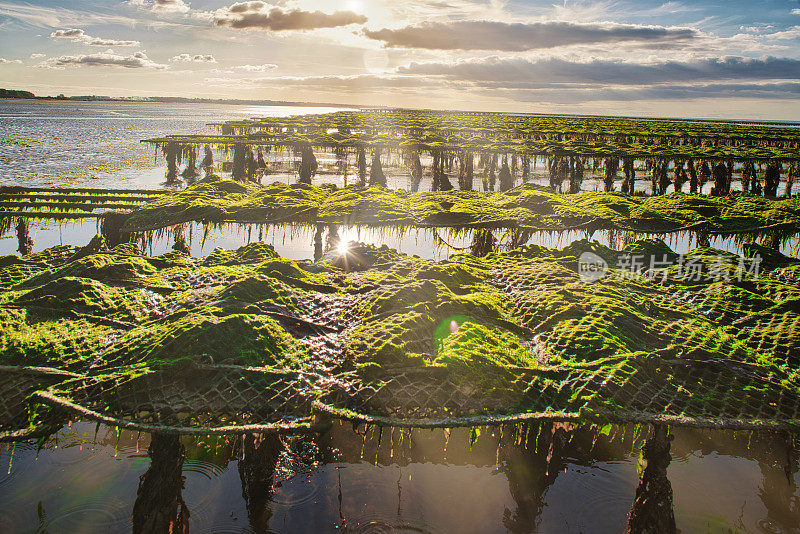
{"x": 107, "y": 514}
{"x": 233, "y": 528}
{"x": 11, "y": 519}
{"x": 296, "y": 491}
{"x": 375, "y": 524}
{"x": 9, "y": 456}
{"x": 207, "y": 470}
{"x": 5, "y": 475}
{"x": 206, "y": 483}
{"x": 76, "y": 455}
{"x": 599, "y": 488}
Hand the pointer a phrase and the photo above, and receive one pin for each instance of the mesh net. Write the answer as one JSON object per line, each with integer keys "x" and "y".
{"x": 190, "y": 400}
{"x": 705, "y": 394}
{"x": 248, "y": 341}
{"x": 214, "y": 200}
{"x": 17, "y": 384}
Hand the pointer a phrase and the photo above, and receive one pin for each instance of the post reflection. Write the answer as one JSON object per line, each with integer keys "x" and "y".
{"x": 159, "y": 505}
{"x": 652, "y": 510}
{"x": 260, "y": 455}
{"x": 531, "y": 465}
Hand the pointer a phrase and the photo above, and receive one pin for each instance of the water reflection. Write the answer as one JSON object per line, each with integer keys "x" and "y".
{"x": 652, "y": 509}
{"x": 159, "y": 505}
{"x": 516, "y": 478}
{"x": 260, "y": 455}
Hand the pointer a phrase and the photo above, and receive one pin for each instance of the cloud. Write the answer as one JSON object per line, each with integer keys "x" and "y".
{"x": 79, "y": 36}
{"x": 4, "y": 61}
{"x": 517, "y": 37}
{"x": 108, "y": 58}
{"x": 37, "y": 55}
{"x": 556, "y": 81}
{"x": 54, "y": 17}
{"x": 500, "y": 72}
{"x": 263, "y": 16}
{"x": 791, "y": 33}
{"x": 681, "y": 92}
{"x": 197, "y": 58}
{"x": 354, "y": 84}
{"x": 257, "y": 68}
{"x": 162, "y": 6}
{"x": 796, "y": 11}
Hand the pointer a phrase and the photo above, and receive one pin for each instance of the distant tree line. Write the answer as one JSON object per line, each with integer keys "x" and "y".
{"x": 14, "y": 93}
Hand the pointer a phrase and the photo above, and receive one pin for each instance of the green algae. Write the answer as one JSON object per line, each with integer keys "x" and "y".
{"x": 101, "y": 267}
{"x": 251, "y": 253}
{"x": 255, "y": 289}
{"x": 507, "y": 333}
{"x": 83, "y": 296}
{"x": 473, "y": 346}
{"x": 203, "y": 336}
{"x": 213, "y": 202}
{"x": 29, "y": 340}
{"x": 482, "y": 358}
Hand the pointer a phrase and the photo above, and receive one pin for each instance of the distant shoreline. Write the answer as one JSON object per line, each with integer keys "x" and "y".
{"x": 4, "y": 95}
{"x": 175, "y": 100}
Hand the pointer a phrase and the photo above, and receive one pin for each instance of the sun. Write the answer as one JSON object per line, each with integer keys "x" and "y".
{"x": 343, "y": 247}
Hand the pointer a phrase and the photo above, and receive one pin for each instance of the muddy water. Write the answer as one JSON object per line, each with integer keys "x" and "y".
{"x": 512, "y": 479}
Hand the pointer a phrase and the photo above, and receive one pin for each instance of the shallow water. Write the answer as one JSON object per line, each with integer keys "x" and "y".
{"x": 297, "y": 243}
{"x": 97, "y": 144}
{"x": 551, "y": 478}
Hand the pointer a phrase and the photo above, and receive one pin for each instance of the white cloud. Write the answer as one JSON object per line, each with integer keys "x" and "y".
{"x": 79, "y": 36}
{"x": 796, "y": 11}
{"x": 103, "y": 59}
{"x": 162, "y": 6}
{"x": 263, "y": 16}
{"x": 4, "y": 61}
{"x": 257, "y": 68}
{"x": 791, "y": 33}
{"x": 555, "y": 80}
{"x": 47, "y": 17}
{"x": 37, "y": 55}
{"x": 197, "y": 58}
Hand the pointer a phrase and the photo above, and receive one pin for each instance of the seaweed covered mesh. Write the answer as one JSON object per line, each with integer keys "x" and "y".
{"x": 214, "y": 200}
{"x": 17, "y": 384}
{"x": 246, "y": 340}
{"x": 191, "y": 400}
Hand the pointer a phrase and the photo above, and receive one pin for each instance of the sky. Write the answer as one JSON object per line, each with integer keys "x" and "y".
{"x": 715, "y": 59}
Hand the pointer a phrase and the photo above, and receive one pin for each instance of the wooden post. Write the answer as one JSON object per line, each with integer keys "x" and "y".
{"x": 376, "y": 175}
{"x": 239, "y": 170}
{"x": 362, "y": 166}
{"x": 171, "y": 152}
{"x": 772, "y": 178}
{"x": 24, "y": 240}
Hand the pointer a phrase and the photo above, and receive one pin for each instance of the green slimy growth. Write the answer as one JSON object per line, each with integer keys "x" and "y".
{"x": 217, "y": 201}
{"x": 506, "y": 333}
